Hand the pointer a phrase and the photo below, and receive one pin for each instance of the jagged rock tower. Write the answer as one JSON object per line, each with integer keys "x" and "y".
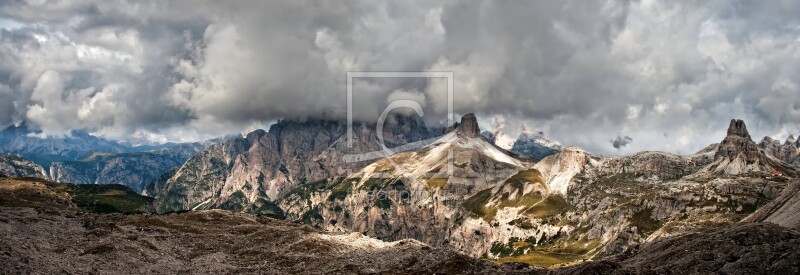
{"x": 469, "y": 126}
{"x": 738, "y": 142}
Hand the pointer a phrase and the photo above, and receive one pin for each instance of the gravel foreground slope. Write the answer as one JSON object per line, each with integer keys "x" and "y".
{"x": 43, "y": 231}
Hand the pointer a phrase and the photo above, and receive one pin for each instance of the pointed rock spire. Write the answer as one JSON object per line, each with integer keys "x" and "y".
{"x": 469, "y": 126}
{"x": 790, "y": 140}
{"x": 738, "y": 128}
{"x": 737, "y": 143}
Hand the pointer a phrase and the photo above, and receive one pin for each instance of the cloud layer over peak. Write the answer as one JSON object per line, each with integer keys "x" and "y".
{"x": 667, "y": 74}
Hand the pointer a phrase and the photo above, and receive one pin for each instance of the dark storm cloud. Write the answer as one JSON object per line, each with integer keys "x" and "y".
{"x": 578, "y": 70}
{"x": 621, "y": 141}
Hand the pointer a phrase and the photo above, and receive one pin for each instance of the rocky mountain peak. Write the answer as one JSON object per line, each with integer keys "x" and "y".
{"x": 738, "y": 128}
{"x": 469, "y": 126}
{"x": 738, "y": 142}
{"x": 791, "y": 140}
{"x": 525, "y": 128}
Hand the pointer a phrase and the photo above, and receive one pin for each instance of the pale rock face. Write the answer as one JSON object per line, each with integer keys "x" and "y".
{"x": 739, "y": 155}
{"x": 558, "y": 170}
{"x": 423, "y": 193}
{"x": 246, "y": 174}
{"x": 783, "y": 210}
{"x": 788, "y": 152}
{"x": 16, "y": 166}
{"x": 570, "y": 203}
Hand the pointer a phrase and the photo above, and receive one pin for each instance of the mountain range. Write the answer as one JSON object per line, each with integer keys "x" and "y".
{"x": 788, "y": 151}
{"x": 531, "y": 200}
{"x": 83, "y": 158}
{"x": 249, "y": 173}
{"x": 529, "y": 143}
{"x": 465, "y": 192}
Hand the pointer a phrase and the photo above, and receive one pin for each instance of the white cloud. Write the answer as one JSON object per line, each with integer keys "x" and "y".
{"x": 668, "y": 74}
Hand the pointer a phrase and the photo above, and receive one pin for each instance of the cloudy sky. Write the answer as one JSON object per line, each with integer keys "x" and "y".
{"x": 612, "y": 77}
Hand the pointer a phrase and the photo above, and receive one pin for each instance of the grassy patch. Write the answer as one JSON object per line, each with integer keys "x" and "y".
{"x": 644, "y": 221}
{"x": 543, "y": 259}
{"x": 312, "y": 217}
{"x": 236, "y": 202}
{"x": 477, "y": 205}
{"x": 267, "y": 208}
{"x": 550, "y": 206}
{"x": 559, "y": 250}
{"x": 341, "y": 190}
{"x": 110, "y": 198}
{"x": 436, "y": 183}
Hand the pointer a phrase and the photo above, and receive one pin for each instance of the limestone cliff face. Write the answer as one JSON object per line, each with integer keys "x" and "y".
{"x": 16, "y": 166}
{"x": 571, "y": 203}
{"x": 788, "y": 151}
{"x": 418, "y": 194}
{"x": 737, "y": 155}
{"x": 783, "y": 210}
{"x": 247, "y": 173}
{"x": 737, "y": 144}
{"x": 656, "y": 165}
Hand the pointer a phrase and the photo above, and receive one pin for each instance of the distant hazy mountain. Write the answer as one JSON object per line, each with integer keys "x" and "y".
{"x": 534, "y": 144}
{"x": 81, "y": 158}
{"x": 529, "y": 143}
{"x": 134, "y": 170}
{"x": 23, "y": 141}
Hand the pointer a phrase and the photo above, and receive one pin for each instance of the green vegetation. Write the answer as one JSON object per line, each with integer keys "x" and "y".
{"x": 236, "y": 202}
{"x": 436, "y": 183}
{"x": 341, "y": 189}
{"x": 383, "y": 203}
{"x": 477, "y": 204}
{"x": 548, "y": 207}
{"x": 304, "y": 191}
{"x": 550, "y": 252}
{"x": 311, "y": 217}
{"x": 267, "y": 208}
{"x": 107, "y": 198}
{"x": 644, "y": 221}
{"x": 543, "y": 259}
{"x": 537, "y": 206}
